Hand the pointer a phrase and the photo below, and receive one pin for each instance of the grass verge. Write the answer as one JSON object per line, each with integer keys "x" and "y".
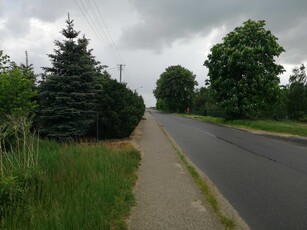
{"x": 228, "y": 223}
{"x": 285, "y": 127}
{"x": 74, "y": 187}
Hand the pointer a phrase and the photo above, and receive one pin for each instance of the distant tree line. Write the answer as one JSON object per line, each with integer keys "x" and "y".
{"x": 243, "y": 80}
{"x": 75, "y": 98}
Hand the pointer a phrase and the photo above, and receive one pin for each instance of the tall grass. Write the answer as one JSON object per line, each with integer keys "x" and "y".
{"x": 71, "y": 187}
{"x": 18, "y": 147}
{"x": 18, "y": 162}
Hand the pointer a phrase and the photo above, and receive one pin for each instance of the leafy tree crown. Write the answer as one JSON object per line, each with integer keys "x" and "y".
{"x": 176, "y": 87}
{"x": 243, "y": 73}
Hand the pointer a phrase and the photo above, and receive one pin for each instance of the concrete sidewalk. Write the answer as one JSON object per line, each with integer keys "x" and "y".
{"x": 166, "y": 195}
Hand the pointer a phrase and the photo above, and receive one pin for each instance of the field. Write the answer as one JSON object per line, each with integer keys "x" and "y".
{"x": 78, "y": 186}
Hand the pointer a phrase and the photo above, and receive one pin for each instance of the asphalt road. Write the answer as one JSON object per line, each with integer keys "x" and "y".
{"x": 265, "y": 179}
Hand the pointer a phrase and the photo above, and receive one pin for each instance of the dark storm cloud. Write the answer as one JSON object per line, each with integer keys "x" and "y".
{"x": 164, "y": 22}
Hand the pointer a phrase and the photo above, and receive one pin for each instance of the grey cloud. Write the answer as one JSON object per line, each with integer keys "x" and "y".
{"x": 1, "y": 7}
{"x": 21, "y": 12}
{"x": 46, "y": 10}
{"x": 17, "y": 24}
{"x": 294, "y": 42}
{"x": 164, "y": 22}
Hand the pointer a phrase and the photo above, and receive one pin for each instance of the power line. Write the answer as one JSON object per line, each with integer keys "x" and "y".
{"x": 93, "y": 26}
{"x": 101, "y": 29}
{"x": 91, "y": 21}
{"x": 108, "y": 32}
{"x": 104, "y": 29}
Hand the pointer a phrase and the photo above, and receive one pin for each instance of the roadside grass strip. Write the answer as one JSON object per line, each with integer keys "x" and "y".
{"x": 80, "y": 186}
{"x": 229, "y": 223}
{"x": 284, "y": 127}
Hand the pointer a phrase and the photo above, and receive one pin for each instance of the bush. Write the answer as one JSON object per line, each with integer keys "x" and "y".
{"x": 119, "y": 109}
{"x": 297, "y": 115}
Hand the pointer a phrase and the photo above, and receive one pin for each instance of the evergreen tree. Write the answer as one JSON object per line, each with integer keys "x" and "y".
{"x": 68, "y": 93}
{"x": 28, "y": 69}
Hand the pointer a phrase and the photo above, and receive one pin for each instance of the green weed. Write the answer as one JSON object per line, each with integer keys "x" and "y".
{"x": 286, "y": 126}
{"x": 77, "y": 187}
{"x": 229, "y": 223}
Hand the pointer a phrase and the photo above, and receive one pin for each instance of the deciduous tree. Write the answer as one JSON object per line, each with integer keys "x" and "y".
{"x": 175, "y": 88}
{"x": 243, "y": 71}
{"x": 297, "y": 96}
{"x": 16, "y": 90}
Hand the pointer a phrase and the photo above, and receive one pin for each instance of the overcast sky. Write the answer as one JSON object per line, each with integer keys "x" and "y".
{"x": 148, "y": 36}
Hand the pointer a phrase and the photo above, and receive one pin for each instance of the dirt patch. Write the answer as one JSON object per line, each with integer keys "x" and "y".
{"x": 117, "y": 144}
{"x": 137, "y": 132}
{"x": 136, "y": 136}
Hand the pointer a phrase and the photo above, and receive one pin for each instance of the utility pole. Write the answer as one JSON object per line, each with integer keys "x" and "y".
{"x": 27, "y": 59}
{"x": 97, "y": 126}
{"x": 120, "y": 72}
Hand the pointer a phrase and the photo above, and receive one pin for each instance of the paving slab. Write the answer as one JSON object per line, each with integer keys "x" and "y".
{"x": 166, "y": 195}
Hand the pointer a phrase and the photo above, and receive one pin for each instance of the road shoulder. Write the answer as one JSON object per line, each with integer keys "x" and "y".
{"x": 226, "y": 208}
